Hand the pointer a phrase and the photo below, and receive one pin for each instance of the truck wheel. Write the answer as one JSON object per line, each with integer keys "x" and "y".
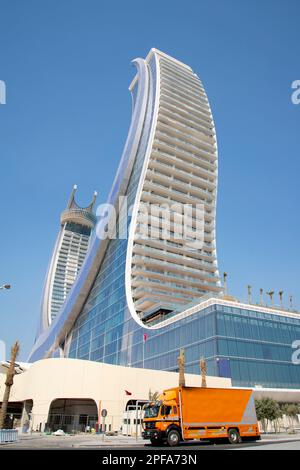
{"x": 173, "y": 438}
{"x": 234, "y": 436}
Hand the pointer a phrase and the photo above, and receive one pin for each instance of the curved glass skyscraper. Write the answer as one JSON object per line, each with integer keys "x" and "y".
{"x": 171, "y": 252}
{"x": 150, "y": 283}
{"x": 76, "y": 225}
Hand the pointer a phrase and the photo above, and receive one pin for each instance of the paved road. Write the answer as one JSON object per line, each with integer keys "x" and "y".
{"x": 275, "y": 444}
{"x": 291, "y": 445}
{"x": 121, "y": 442}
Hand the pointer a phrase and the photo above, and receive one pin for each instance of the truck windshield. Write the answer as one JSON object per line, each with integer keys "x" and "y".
{"x": 152, "y": 411}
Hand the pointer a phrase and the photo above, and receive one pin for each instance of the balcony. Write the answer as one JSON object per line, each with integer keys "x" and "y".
{"x": 200, "y": 97}
{"x": 177, "y": 71}
{"x": 181, "y": 276}
{"x": 180, "y": 115}
{"x": 154, "y": 257}
{"x": 176, "y": 259}
{"x": 176, "y": 248}
{"x": 186, "y": 236}
{"x": 193, "y": 134}
{"x": 175, "y": 218}
{"x": 152, "y": 296}
{"x": 162, "y": 154}
{"x": 169, "y": 169}
{"x": 192, "y": 110}
{"x": 183, "y": 152}
{"x": 197, "y": 144}
{"x": 186, "y": 122}
{"x": 172, "y": 287}
{"x": 184, "y": 269}
{"x": 175, "y": 182}
{"x": 192, "y": 84}
{"x": 193, "y": 103}
{"x": 150, "y": 197}
{"x": 167, "y": 194}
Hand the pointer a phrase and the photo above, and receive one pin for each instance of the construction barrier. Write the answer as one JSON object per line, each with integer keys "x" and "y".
{"x": 8, "y": 435}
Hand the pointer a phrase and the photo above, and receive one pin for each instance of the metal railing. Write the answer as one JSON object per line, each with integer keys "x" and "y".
{"x": 8, "y": 435}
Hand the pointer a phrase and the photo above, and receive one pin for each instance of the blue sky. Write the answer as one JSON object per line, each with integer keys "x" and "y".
{"x": 67, "y": 69}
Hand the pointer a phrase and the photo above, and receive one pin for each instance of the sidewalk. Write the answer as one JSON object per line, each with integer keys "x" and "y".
{"x": 89, "y": 441}
{"x": 280, "y": 436}
{"x": 37, "y": 440}
{"x": 112, "y": 441}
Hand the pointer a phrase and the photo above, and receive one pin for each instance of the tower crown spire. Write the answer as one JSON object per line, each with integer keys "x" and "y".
{"x": 72, "y": 204}
{"x": 80, "y": 215}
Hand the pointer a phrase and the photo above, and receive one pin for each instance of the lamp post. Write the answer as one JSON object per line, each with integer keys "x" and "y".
{"x": 225, "y": 283}
{"x": 5, "y": 286}
{"x": 249, "y": 294}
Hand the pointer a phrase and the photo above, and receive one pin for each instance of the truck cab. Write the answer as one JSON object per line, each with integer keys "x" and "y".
{"x": 160, "y": 418}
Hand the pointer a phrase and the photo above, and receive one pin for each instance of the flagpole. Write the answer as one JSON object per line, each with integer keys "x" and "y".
{"x": 145, "y": 336}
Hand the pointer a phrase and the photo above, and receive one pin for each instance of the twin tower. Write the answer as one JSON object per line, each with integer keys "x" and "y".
{"x": 76, "y": 225}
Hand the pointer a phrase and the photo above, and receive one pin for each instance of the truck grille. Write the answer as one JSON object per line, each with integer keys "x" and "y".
{"x": 149, "y": 424}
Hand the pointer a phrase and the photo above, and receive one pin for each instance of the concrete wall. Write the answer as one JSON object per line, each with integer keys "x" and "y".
{"x": 49, "y": 379}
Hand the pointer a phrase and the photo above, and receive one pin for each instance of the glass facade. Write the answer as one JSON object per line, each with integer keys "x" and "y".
{"x": 251, "y": 347}
{"x": 99, "y": 330}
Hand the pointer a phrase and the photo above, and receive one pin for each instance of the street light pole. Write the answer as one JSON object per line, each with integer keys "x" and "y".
{"x": 5, "y": 286}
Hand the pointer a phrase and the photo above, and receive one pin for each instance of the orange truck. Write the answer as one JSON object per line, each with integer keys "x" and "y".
{"x": 187, "y": 413}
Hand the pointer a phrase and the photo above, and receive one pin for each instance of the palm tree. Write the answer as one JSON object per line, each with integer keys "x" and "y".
{"x": 280, "y": 297}
{"x": 153, "y": 396}
{"x": 203, "y": 372}
{"x": 181, "y": 363}
{"x": 291, "y": 410}
{"x": 261, "y": 291}
{"x": 9, "y": 382}
{"x": 271, "y": 293}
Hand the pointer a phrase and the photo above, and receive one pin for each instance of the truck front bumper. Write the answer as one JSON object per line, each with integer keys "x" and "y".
{"x": 152, "y": 434}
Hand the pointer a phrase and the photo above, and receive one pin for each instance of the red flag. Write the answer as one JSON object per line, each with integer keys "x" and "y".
{"x": 128, "y": 393}
{"x": 145, "y": 336}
